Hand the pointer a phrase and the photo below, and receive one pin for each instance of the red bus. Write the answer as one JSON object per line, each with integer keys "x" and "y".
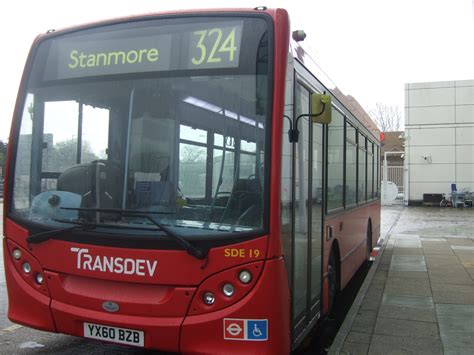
{"x": 154, "y": 197}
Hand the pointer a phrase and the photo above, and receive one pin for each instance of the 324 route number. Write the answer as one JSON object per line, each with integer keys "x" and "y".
{"x": 214, "y": 45}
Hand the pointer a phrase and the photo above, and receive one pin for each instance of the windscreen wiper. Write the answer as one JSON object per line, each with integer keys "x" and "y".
{"x": 44, "y": 236}
{"x": 190, "y": 249}
{"x": 198, "y": 253}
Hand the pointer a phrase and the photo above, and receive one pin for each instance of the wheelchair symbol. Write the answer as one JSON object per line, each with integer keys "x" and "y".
{"x": 256, "y": 332}
{"x": 257, "y": 329}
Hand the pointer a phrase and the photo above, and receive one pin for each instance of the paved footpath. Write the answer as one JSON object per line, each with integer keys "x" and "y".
{"x": 418, "y": 297}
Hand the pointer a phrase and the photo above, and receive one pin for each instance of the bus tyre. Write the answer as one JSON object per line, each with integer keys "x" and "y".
{"x": 332, "y": 282}
{"x": 369, "y": 242}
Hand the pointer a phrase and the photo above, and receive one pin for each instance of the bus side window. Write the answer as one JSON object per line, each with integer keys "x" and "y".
{"x": 335, "y": 162}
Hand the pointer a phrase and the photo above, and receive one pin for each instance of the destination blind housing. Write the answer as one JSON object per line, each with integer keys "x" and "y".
{"x": 209, "y": 45}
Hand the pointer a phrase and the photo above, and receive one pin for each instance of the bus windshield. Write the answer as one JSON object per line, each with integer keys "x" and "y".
{"x": 167, "y": 118}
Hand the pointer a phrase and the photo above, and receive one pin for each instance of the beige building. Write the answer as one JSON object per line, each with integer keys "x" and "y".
{"x": 439, "y": 138}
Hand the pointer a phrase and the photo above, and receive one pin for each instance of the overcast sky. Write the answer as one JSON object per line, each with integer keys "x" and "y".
{"x": 369, "y": 48}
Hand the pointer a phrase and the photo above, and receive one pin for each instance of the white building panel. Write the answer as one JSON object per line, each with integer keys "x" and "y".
{"x": 432, "y": 115}
{"x": 465, "y": 135}
{"x": 465, "y": 114}
{"x": 431, "y": 97}
{"x": 439, "y": 137}
{"x": 464, "y": 83}
{"x": 465, "y": 173}
{"x": 432, "y": 172}
{"x": 465, "y": 95}
{"x": 417, "y": 189}
{"x": 434, "y": 154}
{"x": 430, "y": 85}
{"x": 465, "y": 155}
{"x": 430, "y": 136}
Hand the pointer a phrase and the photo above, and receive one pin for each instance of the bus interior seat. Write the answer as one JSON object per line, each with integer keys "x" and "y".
{"x": 245, "y": 199}
{"x": 90, "y": 180}
{"x": 75, "y": 179}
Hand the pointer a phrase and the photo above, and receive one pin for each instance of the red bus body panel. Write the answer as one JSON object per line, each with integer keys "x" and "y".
{"x": 268, "y": 300}
{"x": 350, "y": 233}
{"x": 159, "y": 306}
{"x": 282, "y": 28}
{"x": 37, "y": 313}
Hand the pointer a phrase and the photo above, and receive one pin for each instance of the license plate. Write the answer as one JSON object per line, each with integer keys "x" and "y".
{"x": 114, "y": 334}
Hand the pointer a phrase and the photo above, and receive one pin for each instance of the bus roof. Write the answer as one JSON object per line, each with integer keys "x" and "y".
{"x": 349, "y": 102}
{"x": 141, "y": 16}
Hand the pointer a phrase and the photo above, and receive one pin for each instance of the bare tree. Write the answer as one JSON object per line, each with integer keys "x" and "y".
{"x": 192, "y": 154}
{"x": 387, "y": 117}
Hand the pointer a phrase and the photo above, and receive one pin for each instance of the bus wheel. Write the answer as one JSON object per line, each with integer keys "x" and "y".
{"x": 369, "y": 242}
{"x": 332, "y": 282}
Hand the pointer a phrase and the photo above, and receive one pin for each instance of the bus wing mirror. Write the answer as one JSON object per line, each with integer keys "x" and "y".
{"x": 321, "y": 108}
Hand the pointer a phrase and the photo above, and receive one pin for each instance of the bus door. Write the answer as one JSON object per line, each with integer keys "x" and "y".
{"x": 308, "y": 197}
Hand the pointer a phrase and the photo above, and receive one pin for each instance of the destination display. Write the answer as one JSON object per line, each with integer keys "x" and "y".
{"x": 181, "y": 47}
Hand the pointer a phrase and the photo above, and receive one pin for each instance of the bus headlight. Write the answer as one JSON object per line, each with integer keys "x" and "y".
{"x": 39, "y": 279}
{"x": 17, "y": 254}
{"x": 208, "y": 298}
{"x": 228, "y": 290}
{"x": 26, "y": 268}
{"x": 224, "y": 288}
{"x": 245, "y": 276}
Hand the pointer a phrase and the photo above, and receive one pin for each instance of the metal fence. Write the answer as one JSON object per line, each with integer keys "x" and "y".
{"x": 396, "y": 175}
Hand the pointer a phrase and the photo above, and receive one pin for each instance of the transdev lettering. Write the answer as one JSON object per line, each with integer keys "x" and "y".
{"x": 117, "y": 265}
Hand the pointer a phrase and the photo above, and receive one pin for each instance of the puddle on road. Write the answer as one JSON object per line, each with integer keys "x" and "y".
{"x": 451, "y": 231}
{"x": 31, "y": 345}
